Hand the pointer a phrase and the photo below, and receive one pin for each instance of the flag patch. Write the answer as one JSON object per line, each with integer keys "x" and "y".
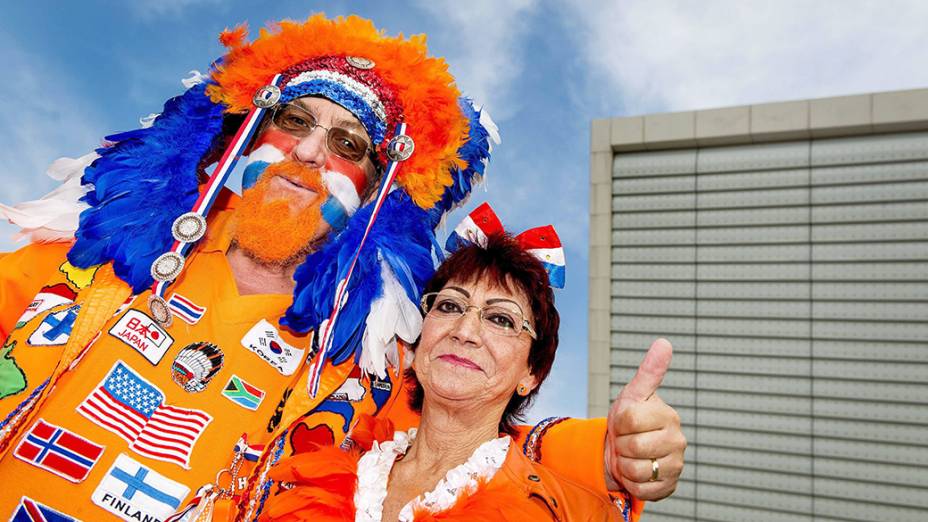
{"x": 265, "y": 341}
{"x": 29, "y": 510}
{"x": 59, "y": 451}
{"x": 55, "y": 329}
{"x": 185, "y": 309}
{"x": 134, "y": 492}
{"x": 143, "y": 334}
{"x": 125, "y": 304}
{"x": 134, "y": 409}
{"x": 48, "y": 298}
{"x": 243, "y": 393}
{"x": 250, "y": 452}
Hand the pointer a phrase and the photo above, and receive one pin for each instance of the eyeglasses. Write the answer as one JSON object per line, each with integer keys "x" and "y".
{"x": 298, "y": 122}
{"x": 498, "y": 319}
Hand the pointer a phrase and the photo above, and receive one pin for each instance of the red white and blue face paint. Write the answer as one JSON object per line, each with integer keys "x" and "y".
{"x": 272, "y": 146}
{"x": 345, "y": 181}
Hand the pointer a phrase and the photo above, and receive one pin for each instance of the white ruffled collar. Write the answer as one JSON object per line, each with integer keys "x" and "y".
{"x": 374, "y": 472}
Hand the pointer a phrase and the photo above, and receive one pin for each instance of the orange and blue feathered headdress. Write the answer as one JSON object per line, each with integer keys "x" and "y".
{"x": 147, "y": 200}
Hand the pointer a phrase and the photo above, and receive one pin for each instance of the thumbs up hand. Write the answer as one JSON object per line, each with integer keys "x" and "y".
{"x": 644, "y": 442}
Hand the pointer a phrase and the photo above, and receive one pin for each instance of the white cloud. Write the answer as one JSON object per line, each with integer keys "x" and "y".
{"x": 44, "y": 122}
{"x": 487, "y": 53}
{"x": 664, "y": 55}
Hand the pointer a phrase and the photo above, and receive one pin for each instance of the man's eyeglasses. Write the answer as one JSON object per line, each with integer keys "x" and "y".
{"x": 298, "y": 122}
{"x": 498, "y": 319}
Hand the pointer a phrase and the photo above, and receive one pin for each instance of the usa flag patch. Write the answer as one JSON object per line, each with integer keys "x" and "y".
{"x": 59, "y": 451}
{"x": 185, "y": 309}
{"x": 135, "y": 409}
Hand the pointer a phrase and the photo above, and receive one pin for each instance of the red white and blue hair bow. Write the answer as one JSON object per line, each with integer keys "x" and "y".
{"x": 541, "y": 242}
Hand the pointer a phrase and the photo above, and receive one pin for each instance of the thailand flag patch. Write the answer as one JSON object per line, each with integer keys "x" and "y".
{"x": 134, "y": 492}
{"x": 59, "y": 451}
{"x": 29, "y": 510}
{"x": 185, "y": 309}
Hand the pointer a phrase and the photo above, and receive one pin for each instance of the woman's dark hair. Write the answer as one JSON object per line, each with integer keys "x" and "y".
{"x": 504, "y": 263}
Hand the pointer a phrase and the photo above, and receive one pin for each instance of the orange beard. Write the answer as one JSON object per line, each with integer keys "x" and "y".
{"x": 268, "y": 229}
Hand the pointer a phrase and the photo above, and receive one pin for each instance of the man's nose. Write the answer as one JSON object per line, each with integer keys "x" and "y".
{"x": 311, "y": 149}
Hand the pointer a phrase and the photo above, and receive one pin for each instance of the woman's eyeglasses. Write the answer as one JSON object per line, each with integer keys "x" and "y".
{"x": 506, "y": 320}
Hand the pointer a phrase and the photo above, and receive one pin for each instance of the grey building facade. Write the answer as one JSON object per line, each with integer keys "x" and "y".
{"x": 783, "y": 249}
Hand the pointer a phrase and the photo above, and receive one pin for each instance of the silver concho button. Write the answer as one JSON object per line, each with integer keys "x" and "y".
{"x": 189, "y": 227}
{"x": 167, "y": 267}
{"x": 267, "y": 97}
{"x": 360, "y": 62}
{"x": 400, "y": 148}
{"x": 160, "y": 311}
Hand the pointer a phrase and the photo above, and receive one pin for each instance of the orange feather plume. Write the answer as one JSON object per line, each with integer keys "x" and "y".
{"x": 324, "y": 482}
{"x": 234, "y": 38}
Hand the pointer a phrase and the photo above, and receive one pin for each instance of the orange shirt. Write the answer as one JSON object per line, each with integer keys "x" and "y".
{"x": 147, "y": 414}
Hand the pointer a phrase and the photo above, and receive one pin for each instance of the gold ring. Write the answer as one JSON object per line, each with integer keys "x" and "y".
{"x": 655, "y": 470}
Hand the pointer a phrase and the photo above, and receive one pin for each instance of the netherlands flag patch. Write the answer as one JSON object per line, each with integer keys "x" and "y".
{"x": 185, "y": 309}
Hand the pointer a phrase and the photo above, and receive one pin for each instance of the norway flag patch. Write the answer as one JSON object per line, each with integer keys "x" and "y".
{"x": 59, "y": 451}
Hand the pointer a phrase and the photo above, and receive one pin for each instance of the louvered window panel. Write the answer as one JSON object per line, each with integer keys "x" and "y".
{"x": 792, "y": 279}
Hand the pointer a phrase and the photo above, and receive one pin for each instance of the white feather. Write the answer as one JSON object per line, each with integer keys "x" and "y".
{"x": 148, "y": 121}
{"x": 490, "y": 126}
{"x": 53, "y": 217}
{"x": 195, "y": 78}
{"x": 392, "y": 316}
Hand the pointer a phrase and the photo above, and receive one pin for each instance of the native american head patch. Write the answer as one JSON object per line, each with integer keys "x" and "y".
{"x": 195, "y": 366}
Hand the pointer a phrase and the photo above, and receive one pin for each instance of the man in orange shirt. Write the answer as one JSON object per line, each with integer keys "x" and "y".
{"x": 184, "y": 337}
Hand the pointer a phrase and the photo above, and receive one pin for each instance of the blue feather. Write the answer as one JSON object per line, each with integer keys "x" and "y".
{"x": 141, "y": 184}
{"x": 401, "y": 236}
{"x": 475, "y": 152}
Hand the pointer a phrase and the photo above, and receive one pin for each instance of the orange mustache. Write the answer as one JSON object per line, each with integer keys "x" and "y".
{"x": 275, "y": 229}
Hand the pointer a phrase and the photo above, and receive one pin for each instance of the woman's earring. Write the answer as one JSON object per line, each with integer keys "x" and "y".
{"x": 522, "y": 390}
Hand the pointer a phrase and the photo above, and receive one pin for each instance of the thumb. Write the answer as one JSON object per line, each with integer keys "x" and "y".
{"x": 650, "y": 373}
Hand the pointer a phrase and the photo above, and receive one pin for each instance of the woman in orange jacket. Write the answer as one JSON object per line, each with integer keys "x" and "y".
{"x": 473, "y": 375}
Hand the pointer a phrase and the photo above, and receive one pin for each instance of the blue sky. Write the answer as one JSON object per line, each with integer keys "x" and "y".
{"x": 76, "y": 71}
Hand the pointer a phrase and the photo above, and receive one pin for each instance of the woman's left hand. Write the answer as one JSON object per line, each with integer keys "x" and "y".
{"x": 644, "y": 441}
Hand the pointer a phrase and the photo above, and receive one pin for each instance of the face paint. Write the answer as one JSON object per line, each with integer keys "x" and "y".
{"x": 346, "y": 183}
{"x": 268, "y": 227}
{"x": 272, "y": 146}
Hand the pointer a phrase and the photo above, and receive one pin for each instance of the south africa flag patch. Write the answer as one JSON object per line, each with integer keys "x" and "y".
{"x": 242, "y": 393}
